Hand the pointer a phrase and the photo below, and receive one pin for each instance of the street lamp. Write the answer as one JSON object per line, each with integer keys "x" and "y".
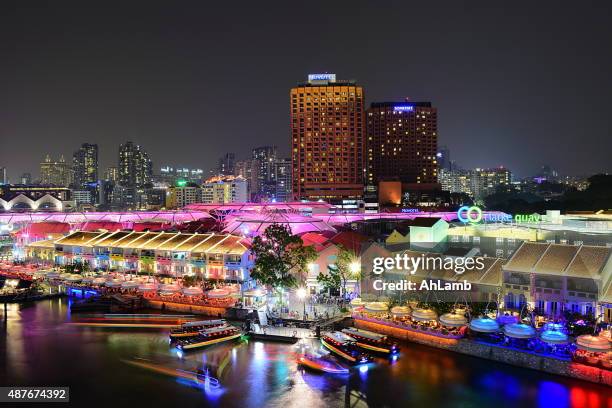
{"x": 301, "y": 294}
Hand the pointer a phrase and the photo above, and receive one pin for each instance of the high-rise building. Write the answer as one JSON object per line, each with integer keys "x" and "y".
{"x": 224, "y": 189}
{"x": 266, "y": 157}
{"x": 444, "y": 159}
{"x": 249, "y": 170}
{"x": 180, "y": 196}
{"x": 3, "y": 176}
{"x": 26, "y": 178}
{"x": 85, "y": 165}
{"x": 402, "y": 143}
{"x": 135, "y": 172}
{"x": 135, "y": 166}
{"x": 487, "y": 181}
{"x": 111, "y": 174}
{"x": 171, "y": 175}
{"x": 456, "y": 181}
{"x": 327, "y": 131}
{"x": 477, "y": 183}
{"x": 55, "y": 173}
{"x": 226, "y": 164}
{"x": 282, "y": 180}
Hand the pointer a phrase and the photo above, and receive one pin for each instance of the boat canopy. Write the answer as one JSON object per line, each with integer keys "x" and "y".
{"x": 453, "y": 320}
{"x": 341, "y": 337}
{"x": 217, "y": 322}
{"x": 113, "y": 283}
{"x": 519, "y": 331}
{"x": 364, "y": 333}
{"x": 484, "y": 325}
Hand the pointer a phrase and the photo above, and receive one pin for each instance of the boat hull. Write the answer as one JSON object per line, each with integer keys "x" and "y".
{"x": 210, "y": 342}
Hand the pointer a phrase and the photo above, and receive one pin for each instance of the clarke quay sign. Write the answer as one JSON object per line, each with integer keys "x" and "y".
{"x": 474, "y": 215}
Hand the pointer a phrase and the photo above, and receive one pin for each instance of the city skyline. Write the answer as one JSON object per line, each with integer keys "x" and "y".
{"x": 92, "y": 87}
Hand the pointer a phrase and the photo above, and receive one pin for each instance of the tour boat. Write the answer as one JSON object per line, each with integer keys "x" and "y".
{"x": 321, "y": 364}
{"x": 372, "y": 341}
{"x": 208, "y": 337}
{"x": 192, "y": 329}
{"x": 344, "y": 347}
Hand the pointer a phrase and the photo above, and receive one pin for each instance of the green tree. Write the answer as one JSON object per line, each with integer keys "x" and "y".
{"x": 344, "y": 269}
{"x": 280, "y": 257}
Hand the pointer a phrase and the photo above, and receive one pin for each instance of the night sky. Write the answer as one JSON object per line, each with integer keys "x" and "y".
{"x": 519, "y": 84}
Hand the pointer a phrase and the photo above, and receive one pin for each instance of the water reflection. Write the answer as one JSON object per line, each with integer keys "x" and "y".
{"x": 39, "y": 349}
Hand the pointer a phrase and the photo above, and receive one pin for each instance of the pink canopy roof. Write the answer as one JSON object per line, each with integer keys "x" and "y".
{"x": 254, "y": 224}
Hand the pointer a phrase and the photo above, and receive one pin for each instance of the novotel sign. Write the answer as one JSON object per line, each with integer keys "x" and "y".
{"x": 474, "y": 215}
{"x": 403, "y": 108}
{"x": 410, "y": 210}
{"x": 322, "y": 77}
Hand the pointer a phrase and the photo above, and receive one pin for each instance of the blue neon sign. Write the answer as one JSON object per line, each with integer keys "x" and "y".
{"x": 322, "y": 77}
{"x": 403, "y": 108}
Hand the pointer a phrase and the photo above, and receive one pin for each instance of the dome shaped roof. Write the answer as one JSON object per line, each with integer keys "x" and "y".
{"x": 553, "y": 337}
{"x": 193, "y": 291}
{"x": 507, "y": 319}
{"x": 519, "y": 331}
{"x": 147, "y": 287}
{"x": 357, "y": 302}
{"x": 401, "y": 310}
{"x": 129, "y": 285}
{"x": 376, "y": 307}
{"x": 453, "y": 319}
{"x": 484, "y": 325}
{"x": 218, "y": 293}
{"x": 593, "y": 343}
{"x": 424, "y": 314}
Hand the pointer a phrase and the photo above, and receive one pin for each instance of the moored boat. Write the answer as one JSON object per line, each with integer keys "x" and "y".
{"x": 344, "y": 346}
{"x": 208, "y": 337}
{"x": 192, "y": 329}
{"x": 321, "y": 364}
{"x": 372, "y": 341}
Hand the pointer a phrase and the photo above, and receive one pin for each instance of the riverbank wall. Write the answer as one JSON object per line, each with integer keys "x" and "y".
{"x": 186, "y": 308}
{"x": 492, "y": 352}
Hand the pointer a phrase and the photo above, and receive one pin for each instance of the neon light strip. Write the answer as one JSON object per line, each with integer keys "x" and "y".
{"x": 209, "y": 342}
{"x": 337, "y": 351}
{"x": 382, "y": 350}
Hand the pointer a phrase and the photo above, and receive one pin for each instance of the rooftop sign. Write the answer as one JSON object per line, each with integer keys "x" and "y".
{"x": 404, "y": 108}
{"x": 322, "y": 77}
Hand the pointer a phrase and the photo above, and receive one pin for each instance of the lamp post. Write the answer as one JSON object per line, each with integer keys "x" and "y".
{"x": 301, "y": 294}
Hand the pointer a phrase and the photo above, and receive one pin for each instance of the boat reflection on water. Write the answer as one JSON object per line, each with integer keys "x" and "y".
{"x": 253, "y": 373}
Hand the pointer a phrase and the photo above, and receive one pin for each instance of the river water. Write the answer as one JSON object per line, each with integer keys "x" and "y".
{"x": 134, "y": 368}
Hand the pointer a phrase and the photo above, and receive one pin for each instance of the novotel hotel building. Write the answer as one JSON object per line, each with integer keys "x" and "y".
{"x": 327, "y": 139}
{"x": 402, "y": 143}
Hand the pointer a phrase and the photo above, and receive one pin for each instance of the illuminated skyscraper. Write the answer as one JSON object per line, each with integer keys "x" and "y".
{"x": 402, "y": 143}
{"x": 266, "y": 157}
{"x": 327, "y": 131}
{"x": 85, "y": 165}
{"x": 135, "y": 172}
{"x": 135, "y": 168}
{"x": 55, "y": 173}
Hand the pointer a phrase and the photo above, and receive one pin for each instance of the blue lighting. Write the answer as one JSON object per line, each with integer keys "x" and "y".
{"x": 404, "y": 108}
{"x": 322, "y": 77}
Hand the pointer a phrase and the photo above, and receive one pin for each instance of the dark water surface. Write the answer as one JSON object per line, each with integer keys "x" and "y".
{"x": 38, "y": 349}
